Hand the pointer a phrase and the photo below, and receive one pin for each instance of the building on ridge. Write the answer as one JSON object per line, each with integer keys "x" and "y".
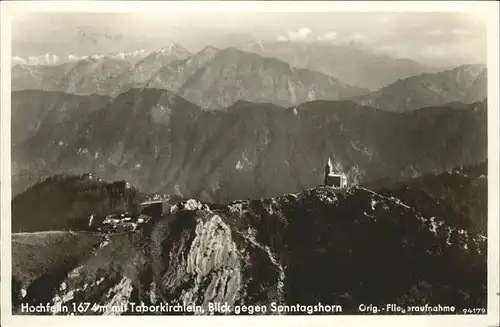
{"x": 335, "y": 180}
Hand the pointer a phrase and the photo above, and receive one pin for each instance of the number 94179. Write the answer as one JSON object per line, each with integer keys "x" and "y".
{"x": 474, "y": 311}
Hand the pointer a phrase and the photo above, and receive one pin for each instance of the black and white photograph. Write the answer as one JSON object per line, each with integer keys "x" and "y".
{"x": 250, "y": 163}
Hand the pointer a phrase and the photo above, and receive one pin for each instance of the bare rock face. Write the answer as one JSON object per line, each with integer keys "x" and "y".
{"x": 212, "y": 260}
{"x": 190, "y": 258}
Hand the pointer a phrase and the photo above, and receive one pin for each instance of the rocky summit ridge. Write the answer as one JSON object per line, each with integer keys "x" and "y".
{"x": 260, "y": 251}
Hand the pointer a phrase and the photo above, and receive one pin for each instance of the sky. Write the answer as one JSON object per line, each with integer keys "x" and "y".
{"x": 431, "y": 38}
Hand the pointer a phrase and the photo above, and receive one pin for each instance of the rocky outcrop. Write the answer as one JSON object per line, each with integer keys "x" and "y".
{"x": 312, "y": 247}
{"x": 71, "y": 202}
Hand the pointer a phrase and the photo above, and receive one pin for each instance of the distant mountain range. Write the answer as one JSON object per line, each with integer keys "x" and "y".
{"x": 175, "y": 74}
{"x": 236, "y": 75}
{"x": 51, "y": 59}
{"x": 215, "y": 79}
{"x": 163, "y": 143}
{"x": 86, "y": 76}
{"x": 96, "y": 74}
{"x": 464, "y": 84}
{"x": 76, "y": 43}
{"x": 350, "y": 64}
{"x": 211, "y": 78}
{"x": 144, "y": 69}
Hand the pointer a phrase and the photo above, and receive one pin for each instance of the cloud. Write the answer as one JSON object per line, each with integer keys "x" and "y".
{"x": 18, "y": 61}
{"x": 305, "y": 34}
{"x": 357, "y": 37}
{"x": 327, "y": 36}
{"x": 435, "y": 32}
{"x": 455, "y": 31}
{"x": 384, "y": 49}
{"x": 434, "y": 52}
{"x": 301, "y": 34}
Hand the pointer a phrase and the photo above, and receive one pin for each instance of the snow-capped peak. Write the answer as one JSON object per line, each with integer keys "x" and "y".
{"x": 45, "y": 59}
{"x": 52, "y": 59}
{"x": 137, "y": 53}
{"x": 171, "y": 47}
